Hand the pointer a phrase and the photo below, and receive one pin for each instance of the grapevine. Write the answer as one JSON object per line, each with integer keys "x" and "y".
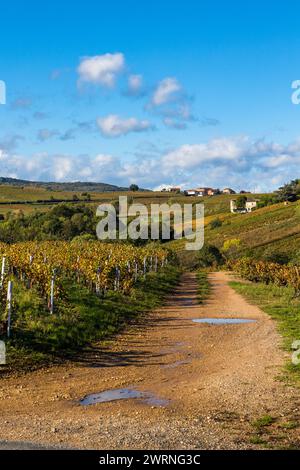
{"x": 267, "y": 272}
{"x": 99, "y": 266}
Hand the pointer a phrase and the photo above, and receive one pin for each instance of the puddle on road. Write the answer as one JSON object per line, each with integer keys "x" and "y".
{"x": 172, "y": 365}
{"x": 123, "y": 394}
{"x": 173, "y": 349}
{"x": 223, "y": 321}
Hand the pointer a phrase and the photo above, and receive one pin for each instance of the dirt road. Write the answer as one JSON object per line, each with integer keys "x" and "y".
{"x": 204, "y": 384}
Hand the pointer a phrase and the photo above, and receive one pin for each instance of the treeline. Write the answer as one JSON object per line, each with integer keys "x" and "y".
{"x": 289, "y": 192}
{"x": 62, "y": 222}
{"x": 52, "y": 200}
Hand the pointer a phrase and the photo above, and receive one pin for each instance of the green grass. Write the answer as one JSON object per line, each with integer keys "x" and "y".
{"x": 263, "y": 422}
{"x": 258, "y": 440}
{"x": 289, "y": 425}
{"x": 280, "y": 304}
{"x": 273, "y": 434}
{"x": 204, "y": 287}
{"x": 24, "y": 198}
{"x": 38, "y": 337}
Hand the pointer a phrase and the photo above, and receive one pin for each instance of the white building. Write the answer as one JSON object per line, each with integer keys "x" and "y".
{"x": 249, "y": 206}
{"x": 228, "y": 191}
{"x": 191, "y": 192}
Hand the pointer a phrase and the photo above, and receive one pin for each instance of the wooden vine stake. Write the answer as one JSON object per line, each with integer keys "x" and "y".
{"x": 52, "y": 293}
{"x": 297, "y": 289}
{"x": 155, "y": 264}
{"x": 136, "y": 270}
{"x": 117, "y": 278}
{"x": 2, "y": 271}
{"x": 9, "y": 306}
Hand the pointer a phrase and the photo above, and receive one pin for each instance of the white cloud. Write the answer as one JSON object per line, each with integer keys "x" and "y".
{"x": 238, "y": 161}
{"x": 114, "y": 126}
{"x": 166, "y": 91}
{"x": 104, "y": 159}
{"x": 135, "y": 85}
{"x": 62, "y": 167}
{"x": 233, "y": 161}
{"x": 101, "y": 69}
{"x": 189, "y": 156}
{"x": 171, "y": 102}
{"x": 47, "y": 167}
{"x": 178, "y": 110}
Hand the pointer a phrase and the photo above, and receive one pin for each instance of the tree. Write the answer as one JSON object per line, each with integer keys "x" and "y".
{"x": 267, "y": 200}
{"x": 86, "y": 196}
{"x": 232, "y": 248}
{"x": 134, "y": 187}
{"x": 216, "y": 223}
{"x": 290, "y": 191}
{"x": 241, "y": 202}
{"x": 210, "y": 255}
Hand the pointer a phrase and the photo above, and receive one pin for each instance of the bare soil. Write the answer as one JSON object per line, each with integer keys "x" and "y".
{"x": 218, "y": 379}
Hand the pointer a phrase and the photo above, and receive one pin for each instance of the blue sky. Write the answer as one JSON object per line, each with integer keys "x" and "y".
{"x": 188, "y": 92}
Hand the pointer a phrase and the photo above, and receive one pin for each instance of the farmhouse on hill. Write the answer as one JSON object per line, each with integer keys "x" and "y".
{"x": 228, "y": 191}
{"x": 248, "y": 206}
{"x": 190, "y": 192}
{"x": 200, "y": 192}
{"x": 172, "y": 189}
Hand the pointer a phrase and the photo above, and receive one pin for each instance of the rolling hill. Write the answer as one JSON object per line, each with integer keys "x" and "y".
{"x": 54, "y": 186}
{"x": 268, "y": 230}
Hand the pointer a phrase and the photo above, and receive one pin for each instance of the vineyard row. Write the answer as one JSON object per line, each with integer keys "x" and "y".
{"x": 99, "y": 266}
{"x": 268, "y": 272}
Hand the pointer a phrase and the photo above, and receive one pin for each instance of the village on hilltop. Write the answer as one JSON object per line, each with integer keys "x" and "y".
{"x": 201, "y": 191}
{"x": 242, "y": 204}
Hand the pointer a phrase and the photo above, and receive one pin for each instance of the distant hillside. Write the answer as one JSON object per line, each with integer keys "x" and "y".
{"x": 274, "y": 229}
{"x": 53, "y": 186}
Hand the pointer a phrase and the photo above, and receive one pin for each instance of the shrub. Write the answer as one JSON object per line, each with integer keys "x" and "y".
{"x": 276, "y": 257}
{"x": 216, "y": 223}
{"x": 209, "y": 256}
{"x": 232, "y": 248}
